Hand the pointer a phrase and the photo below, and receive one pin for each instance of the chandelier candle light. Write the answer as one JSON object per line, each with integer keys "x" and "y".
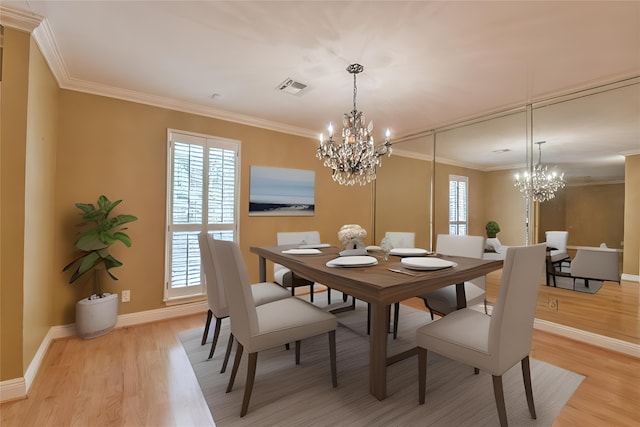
{"x": 541, "y": 183}
{"x": 354, "y": 159}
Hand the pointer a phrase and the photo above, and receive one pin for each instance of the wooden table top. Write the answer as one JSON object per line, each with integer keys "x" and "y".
{"x": 376, "y": 283}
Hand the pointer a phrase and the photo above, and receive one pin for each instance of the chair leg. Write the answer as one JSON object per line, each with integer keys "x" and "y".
{"x": 216, "y": 335}
{"x": 206, "y": 327}
{"x": 328, "y": 296}
{"x": 332, "y": 356}
{"x": 476, "y": 371}
{"x": 248, "y": 388}
{"x": 424, "y": 300}
{"x": 227, "y": 354}
{"x": 311, "y": 291}
{"x": 344, "y": 297}
{"x": 396, "y": 316}
{"x": 298, "y": 345}
{"x": 422, "y": 374}
{"x": 368, "y": 318}
{"x": 499, "y": 396}
{"x": 526, "y": 376}
{"x": 236, "y": 363}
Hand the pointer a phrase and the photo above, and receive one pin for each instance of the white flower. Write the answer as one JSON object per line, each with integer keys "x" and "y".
{"x": 349, "y": 232}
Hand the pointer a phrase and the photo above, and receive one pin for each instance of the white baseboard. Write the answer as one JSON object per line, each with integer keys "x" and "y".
{"x": 12, "y": 390}
{"x": 18, "y": 388}
{"x": 589, "y": 337}
{"x": 631, "y": 277}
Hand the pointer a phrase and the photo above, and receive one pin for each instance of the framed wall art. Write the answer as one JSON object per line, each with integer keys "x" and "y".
{"x": 281, "y": 192}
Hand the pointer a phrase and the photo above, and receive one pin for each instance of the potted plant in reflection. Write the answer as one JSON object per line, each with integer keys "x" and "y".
{"x": 492, "y": 229}
{"x": 97, "y": 314}
{"x": 492, "y": 244}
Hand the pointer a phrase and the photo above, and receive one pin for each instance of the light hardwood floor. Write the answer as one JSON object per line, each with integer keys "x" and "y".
{"x": 140, "y": 375}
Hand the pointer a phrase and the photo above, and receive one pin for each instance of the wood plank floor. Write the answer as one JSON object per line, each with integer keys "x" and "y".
{"x": 140, "y": 375}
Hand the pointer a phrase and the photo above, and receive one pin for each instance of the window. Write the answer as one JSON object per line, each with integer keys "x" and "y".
{"x": 458, "y": 209}
{"x": 202, "y": 182}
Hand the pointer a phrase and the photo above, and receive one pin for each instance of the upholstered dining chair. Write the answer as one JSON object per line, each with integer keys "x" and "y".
{"x": 218, "y": 307}
{"x": 273, "y": 324}
{"x": 495, "y": 343}
{"x": 402, "y": 239}
{"x": 557, "y": 241}
{"x": 443, "y": 301}
{"x": 290, "y": 279}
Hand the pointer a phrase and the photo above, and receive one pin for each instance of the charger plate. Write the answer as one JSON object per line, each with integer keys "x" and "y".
{"x": 352, "y": 261}
{"x": 426, "y": 263}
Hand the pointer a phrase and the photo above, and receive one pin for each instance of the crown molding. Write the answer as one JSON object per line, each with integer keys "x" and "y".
{"x": 19, "y": 20}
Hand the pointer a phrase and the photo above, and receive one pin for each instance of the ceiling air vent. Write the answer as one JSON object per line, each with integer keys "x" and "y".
{"x": 291, "y": 86}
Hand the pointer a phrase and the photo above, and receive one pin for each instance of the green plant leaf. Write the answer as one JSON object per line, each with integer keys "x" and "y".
{"x": 124, "y": 238}
{"x": 91, "y": 241}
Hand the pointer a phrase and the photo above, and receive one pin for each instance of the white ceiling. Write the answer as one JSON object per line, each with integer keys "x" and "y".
{"x": 428, "y": 64}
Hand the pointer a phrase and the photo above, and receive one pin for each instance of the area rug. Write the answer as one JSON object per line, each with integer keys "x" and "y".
{"x": 288, "y": 395}
{"x": 567, "y": 283}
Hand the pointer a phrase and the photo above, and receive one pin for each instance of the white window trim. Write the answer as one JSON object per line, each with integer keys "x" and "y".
{"x": 173, "y": 294}
{"x": 465, "y": 179}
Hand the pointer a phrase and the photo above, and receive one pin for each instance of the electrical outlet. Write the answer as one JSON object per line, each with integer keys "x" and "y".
{"x": 553, "y": 304}
{"x": 126, "y": 296}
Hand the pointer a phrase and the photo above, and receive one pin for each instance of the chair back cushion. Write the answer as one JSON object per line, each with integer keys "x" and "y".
{"x": 557, "y": 240}
{"x": 512, "y": 317}
{"x": 600, "y": 264}
{"x": 294, "y": 238}
{"x": 402, "y": 239}
{"x": 215, "y": 292}
{"x": 466, "y": 246}
{"x": 232, "y": 273}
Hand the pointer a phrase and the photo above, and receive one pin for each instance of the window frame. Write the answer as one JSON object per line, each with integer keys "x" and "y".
{"x": 457, "y": 223}
{"x": 172, "y": 293}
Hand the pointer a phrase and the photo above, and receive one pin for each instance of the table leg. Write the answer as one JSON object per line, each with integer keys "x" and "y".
{"x": 378, "y": 350}
{"x": 461, "y": 297}
{"x": 262, "y": 265}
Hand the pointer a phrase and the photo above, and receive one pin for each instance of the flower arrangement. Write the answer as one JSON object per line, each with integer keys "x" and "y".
{"x": 352, "y": 236}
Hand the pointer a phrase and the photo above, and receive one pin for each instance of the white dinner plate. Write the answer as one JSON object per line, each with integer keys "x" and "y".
{"x": 408, "y": 252}
{"x": 373, "y": 248}
{"x": 314, "y": 246}
{"x": 302, "y": 251}
{"x": 352, "y": 261}
{"x": 426, "y": 263}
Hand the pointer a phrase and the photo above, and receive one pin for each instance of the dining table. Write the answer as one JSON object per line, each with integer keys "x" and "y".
{"x": 379, "y": 286}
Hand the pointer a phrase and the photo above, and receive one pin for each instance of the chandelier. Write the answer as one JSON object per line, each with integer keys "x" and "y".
{"x": 353, "y": 159}
{"x": 540, "y": 184}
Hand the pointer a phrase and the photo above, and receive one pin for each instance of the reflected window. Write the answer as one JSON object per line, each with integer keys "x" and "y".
{"x": 458, "y": 207}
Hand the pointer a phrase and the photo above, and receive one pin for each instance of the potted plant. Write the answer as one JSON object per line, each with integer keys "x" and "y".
{"x": 493, "y": 229}
{"x": 97, "y": 314}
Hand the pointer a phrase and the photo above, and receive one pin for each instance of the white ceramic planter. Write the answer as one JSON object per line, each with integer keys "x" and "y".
{"x": 96, "y": 317}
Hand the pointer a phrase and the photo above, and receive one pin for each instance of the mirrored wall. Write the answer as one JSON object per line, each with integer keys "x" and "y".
{"x": 411, "y": 192}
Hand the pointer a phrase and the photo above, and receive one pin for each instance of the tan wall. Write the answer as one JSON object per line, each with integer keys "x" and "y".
{"x": 505, "y": 205}
{"x": 403, "y": 198}
{"x": 595, "y": 215}
{"x": 15, "y": 78}
{"x": 120, "y": 149}
{"x": 39, "y": 201}
{"x": 631, "y": 258}
{"x": 552, "y": 215}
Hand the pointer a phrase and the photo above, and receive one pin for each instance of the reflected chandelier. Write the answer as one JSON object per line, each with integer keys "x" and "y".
{"x": 354, "y": 159}
{"x": 541, "y": 183}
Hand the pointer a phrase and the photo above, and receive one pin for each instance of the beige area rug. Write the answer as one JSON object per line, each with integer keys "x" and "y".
{"x": 579, "y": 286}
{"x": 288, "y": 395}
